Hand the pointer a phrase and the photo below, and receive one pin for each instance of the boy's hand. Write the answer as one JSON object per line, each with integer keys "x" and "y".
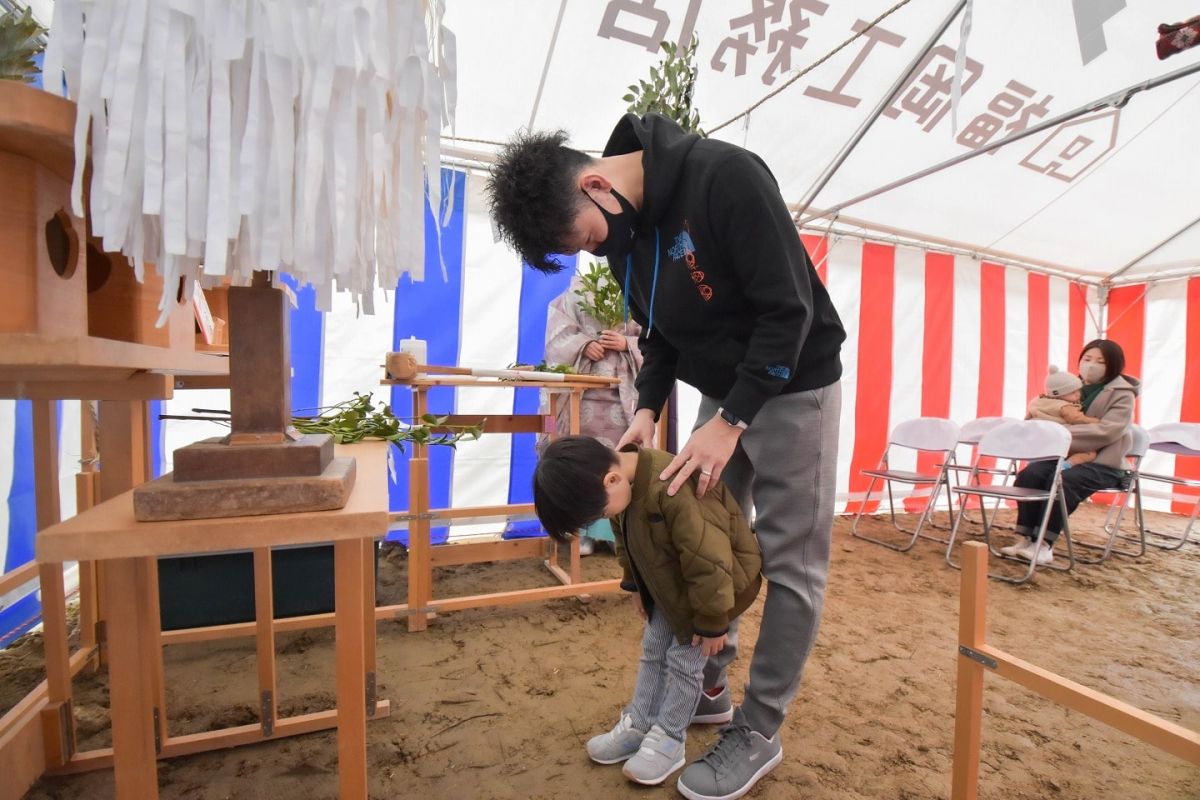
{"x": 641, "y": 431}
{"x": 709, "y": 645}
{"x": 594, "y": 351}
{"x": 637, "y": 603}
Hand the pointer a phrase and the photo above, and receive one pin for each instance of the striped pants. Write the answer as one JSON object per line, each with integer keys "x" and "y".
{"x": 668, "y": 681}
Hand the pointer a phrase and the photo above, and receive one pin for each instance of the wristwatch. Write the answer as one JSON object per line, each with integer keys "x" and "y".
{"x": 732, "y": 419}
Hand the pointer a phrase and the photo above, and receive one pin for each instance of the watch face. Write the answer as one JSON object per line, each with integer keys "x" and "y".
{"x": 729, "y": 417}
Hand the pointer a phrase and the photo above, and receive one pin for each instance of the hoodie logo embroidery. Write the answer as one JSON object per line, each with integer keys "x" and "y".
{"x": 683, "y": 248}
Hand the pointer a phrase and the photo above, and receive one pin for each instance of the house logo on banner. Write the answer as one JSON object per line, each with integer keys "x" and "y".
{"x": 776, "y": 30}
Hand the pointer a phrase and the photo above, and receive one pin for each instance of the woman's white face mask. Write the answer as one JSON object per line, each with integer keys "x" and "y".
{"x": 1092, "y": 369}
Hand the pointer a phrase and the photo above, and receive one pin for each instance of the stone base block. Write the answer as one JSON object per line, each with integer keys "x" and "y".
{"x": 213, "y": 460}
{"x": 168, "y": 499}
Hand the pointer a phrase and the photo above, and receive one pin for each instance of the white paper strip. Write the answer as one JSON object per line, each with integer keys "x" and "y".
{"x": 229, "y": 136}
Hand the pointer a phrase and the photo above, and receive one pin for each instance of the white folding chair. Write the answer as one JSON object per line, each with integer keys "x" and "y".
{"x": 923, "y": 435}
{"x": 1130, "y": 488}
{"x": 1180, "y": 439}
{"x": 1015, "y": 442}
{"x": 972, "y": 433}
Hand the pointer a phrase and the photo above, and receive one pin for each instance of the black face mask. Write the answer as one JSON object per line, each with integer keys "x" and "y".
{"x": 621, "y": 229}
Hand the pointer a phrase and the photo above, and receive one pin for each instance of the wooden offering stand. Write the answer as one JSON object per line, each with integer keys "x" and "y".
{"x": 403, "y": 370}
{"x": 76, "y": 324}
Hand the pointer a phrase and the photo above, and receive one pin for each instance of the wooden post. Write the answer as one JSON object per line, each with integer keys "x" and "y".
{"x": 264, "y": 619}
{"x": 87, "y": 489}
{"x": 124, "y": 463}
{"x": 369, "y": 622}
{"x": 420, "y": 566}
{"x": 58, "y": 725}
{"x": 152, "y": 649}
{"x": 351, "y": 669}
{"x": 131, "y": 699}
{"x": 972, "y": 633}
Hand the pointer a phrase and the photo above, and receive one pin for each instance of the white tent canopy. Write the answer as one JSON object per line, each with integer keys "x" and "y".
{"x": 1104, "y": 195}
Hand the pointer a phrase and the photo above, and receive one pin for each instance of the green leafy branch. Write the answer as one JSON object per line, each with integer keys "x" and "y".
{"x": 542, "y": 366}
{"x": 19, "y": 43}
{"x": 358, "y": 419}
{"x": 671, "y": 87}
{"x": 601, "y": 297}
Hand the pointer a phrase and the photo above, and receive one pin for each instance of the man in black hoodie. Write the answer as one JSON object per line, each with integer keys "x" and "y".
{"x": 699, "y": 238}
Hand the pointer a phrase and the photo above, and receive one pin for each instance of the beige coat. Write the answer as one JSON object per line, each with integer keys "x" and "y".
{"x": 1110, "y": 438}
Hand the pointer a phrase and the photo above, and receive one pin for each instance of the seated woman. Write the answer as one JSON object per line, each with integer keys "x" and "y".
{"x": 1108, "y": 396}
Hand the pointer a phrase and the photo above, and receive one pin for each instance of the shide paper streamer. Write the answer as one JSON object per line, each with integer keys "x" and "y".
{"x": 231, "y": 136}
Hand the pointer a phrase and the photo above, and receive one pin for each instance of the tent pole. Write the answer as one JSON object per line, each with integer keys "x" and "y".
{"x": 1114, "y": 100}
{"x": 1156, "y": 247}
{"x": 827, "y": 174}
{"x": 537, "y": 100}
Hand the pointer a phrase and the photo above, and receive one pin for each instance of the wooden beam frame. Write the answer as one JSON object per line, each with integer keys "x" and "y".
{"x": 975, "y": 657}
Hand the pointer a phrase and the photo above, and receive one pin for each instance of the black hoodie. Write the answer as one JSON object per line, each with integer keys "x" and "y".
{"x": 738, "y": 310}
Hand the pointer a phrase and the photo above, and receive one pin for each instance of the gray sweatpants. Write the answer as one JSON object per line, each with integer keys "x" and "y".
{"x": 786, "y": 464}
{"x": 668, "y": 680}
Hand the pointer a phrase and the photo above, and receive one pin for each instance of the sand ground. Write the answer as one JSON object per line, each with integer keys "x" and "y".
{"x": 496, "y": 703}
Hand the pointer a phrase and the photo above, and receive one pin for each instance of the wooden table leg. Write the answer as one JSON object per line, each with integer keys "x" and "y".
{"x": 130, "y": 696}
{"x": 264, "y": 616}
{"x": 368, "y": 578}
{"x": 576, "y": 400}
{"x": 58, "y": 725}
{"x": 351, "y": 669}
{"x": 420, "y": 563}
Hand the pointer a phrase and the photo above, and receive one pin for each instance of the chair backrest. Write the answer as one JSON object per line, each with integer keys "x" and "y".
{"x": 926, "y": 433}
{"x": 1180, "y": 438}
{"x": 973, "y": 431}
{"x": 1141, "y": 442}
{"x": 1026, "y": 440}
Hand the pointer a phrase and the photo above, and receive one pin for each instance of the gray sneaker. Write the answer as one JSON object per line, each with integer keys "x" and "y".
{"x": 618, "y": 744}
{"x": 732, "y": 766}
{"x": 714, "y": 710}
{"x": 656, "y": 759}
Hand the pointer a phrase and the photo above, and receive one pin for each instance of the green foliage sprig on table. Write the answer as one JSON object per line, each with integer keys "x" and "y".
{"x": 601, "y": 297}
{"x": 358, "y": 419}
{"x": 19, "y": 43}
{"x": 542, "y": 366}
{"x": 670, "y": 88}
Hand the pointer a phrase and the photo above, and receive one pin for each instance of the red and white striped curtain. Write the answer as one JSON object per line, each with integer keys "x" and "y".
{"x": 933, "y": 334}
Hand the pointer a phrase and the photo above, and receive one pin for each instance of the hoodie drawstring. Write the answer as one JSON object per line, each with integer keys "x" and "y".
{"x": 653, "y": 284}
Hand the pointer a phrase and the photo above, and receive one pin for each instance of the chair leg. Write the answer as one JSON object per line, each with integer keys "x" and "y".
{"x": 1173, "y": 543}
{"x": 913, "y": 534}
{"x": 1113, "y": 528}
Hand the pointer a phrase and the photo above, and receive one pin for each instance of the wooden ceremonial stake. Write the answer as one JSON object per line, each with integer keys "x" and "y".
{"x": 264, "y": 466}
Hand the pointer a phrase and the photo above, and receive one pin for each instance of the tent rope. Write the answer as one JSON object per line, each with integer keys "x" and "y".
{"x": 810, "y": 67}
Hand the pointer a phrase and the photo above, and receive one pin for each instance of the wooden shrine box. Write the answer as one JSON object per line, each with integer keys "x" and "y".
{"x": 68, "y": 310}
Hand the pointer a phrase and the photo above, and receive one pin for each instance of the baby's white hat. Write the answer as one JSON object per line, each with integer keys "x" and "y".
{"x": 1060, "y": 383}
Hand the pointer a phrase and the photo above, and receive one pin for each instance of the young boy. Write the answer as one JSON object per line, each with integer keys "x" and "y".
{"x": 692, "y": 563}
{"x": 1060, "y": 403}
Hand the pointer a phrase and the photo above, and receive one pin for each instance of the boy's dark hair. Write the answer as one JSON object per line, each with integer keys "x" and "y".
{"x": 534, "y": 197}
{"x": 568, "y": 484}
{"x": 1114, "y": 357}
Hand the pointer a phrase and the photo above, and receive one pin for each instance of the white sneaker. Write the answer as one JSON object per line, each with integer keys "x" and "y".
{"x": 618, "y": 744}
{"x": 1044, "y": 556}
{"x": 656, "y": 759}
{"x": 1015, "y": 550}
{"x": 587, "y": 545}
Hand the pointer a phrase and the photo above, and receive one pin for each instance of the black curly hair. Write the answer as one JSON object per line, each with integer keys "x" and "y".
{"x": 534, "y": 197}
